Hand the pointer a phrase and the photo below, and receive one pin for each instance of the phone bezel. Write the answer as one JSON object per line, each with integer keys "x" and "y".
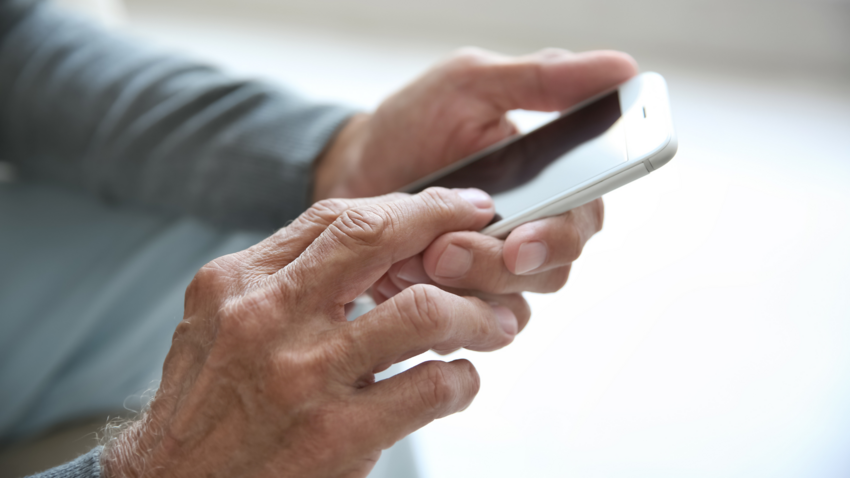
{"x": 646, "y": 118}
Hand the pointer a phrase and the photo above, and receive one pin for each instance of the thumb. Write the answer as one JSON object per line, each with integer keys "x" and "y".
{"x": 548, "y": 80}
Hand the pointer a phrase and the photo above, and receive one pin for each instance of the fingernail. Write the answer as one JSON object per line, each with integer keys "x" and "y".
{"x": 413, "y": 271}
{"x": 531, "y": 255}
{"x": 387, "y": 288}
{"x": 477, "y": 197}
{"x": 507, "y": 319}
{"x": 454, "y": 263}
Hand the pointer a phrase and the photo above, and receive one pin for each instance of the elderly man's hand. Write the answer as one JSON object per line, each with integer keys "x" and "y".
{"x": 453, "y": 110}
{"x": 266, "y": 378}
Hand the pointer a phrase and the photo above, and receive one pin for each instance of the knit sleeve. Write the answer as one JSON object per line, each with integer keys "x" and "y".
{"x": 86, "y": 466}
{"x": 93, "y": 110}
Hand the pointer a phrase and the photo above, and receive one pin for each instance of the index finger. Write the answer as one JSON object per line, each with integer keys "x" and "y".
{"x": 535, "y": 257}
{"x": 548, "y": 80}
{"x": 362, "y": 244}
{"x": 424, "y": 317}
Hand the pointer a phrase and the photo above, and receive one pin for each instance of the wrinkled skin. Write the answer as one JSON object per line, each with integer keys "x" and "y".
{"x": 453, "y": 110}
{"x": 265, "y": 377}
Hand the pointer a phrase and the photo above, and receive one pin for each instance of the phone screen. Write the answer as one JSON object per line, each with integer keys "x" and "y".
{"x": 547, "y": 161}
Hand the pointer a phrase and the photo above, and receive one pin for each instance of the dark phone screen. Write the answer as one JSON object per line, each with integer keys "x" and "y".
{"x": 549, "y": 160}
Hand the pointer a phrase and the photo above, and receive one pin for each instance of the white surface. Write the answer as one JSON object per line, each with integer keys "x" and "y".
{"x": 107, "y": 12}
{"x": 704, "y": 333}
{"x": 770, "y": 35}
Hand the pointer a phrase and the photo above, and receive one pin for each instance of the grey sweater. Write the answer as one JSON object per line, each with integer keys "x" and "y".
{"x": 98, "y": 112}
{"x": 86, "y": 466}
{"x": 101, "y": 114}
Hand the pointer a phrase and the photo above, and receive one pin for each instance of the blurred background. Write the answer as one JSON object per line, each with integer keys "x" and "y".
{"x": 706, "y": 331}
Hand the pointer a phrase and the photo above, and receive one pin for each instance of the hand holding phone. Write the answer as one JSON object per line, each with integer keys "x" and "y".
{"x": 452, "y": 111}
{"x": 593, "y": 148}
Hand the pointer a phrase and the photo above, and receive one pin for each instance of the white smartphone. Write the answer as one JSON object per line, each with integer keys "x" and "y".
{"x": 591, "y": 149}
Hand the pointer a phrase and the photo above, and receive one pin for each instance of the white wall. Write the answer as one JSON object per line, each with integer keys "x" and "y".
{"x": 808, "y": 37}
{"x": 107, "y": 12}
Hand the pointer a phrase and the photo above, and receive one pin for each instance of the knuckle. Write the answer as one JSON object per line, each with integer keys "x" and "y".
{"x": 436, "y": 390}
{"x": 467, "y": 63}
{"x": 207, "y": 283}
{"x": 298, "y": 365}
{"x": 440, "y": 200}
{"x": 302, "y": 371}
{"x": 469, "y": 56}
{"x": 340, "y": 349}
{"x": 420, "y": 306}
{"x": 185, "y": 332}
{"x": 237, "y": 340}
{"x": 325, "y": 211}
{"x": 232, "y": 317}
{"x": 207, "y": 275}
{"x": 183, "y": 329}
{"x": 247, "y": 317}
{"x": 362, "y": 226}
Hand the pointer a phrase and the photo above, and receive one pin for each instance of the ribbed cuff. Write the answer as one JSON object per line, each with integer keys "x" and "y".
{"x": 86, "y": 466}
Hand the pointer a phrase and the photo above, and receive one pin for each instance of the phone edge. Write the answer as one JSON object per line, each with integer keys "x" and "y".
{"x": 593, "y": 189}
